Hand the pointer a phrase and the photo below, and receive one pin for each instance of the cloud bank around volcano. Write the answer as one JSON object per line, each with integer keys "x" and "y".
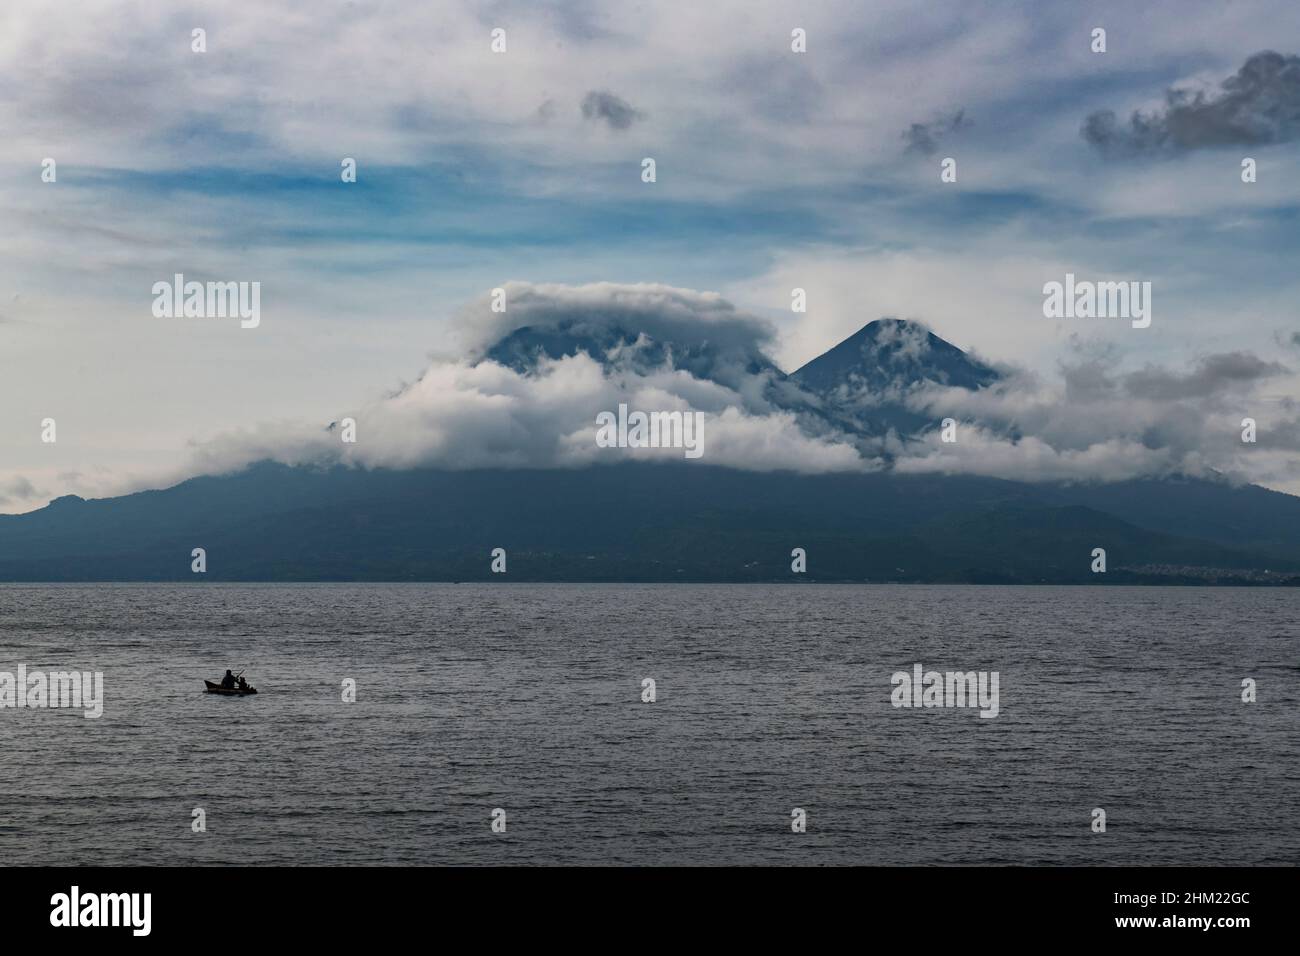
{"x": 660, "y": 348}
{"x": 479, "y": 413}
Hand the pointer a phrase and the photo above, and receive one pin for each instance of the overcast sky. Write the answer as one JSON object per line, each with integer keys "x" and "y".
{"x": 775, "y": 170}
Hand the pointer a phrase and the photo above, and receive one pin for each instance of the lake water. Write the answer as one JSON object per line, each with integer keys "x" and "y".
{"x": 769, "y": 698}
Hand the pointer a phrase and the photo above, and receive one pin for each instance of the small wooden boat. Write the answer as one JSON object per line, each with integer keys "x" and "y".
{"x": 228, "y": 691}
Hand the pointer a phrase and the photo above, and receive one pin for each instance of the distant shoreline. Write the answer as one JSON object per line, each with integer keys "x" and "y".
{"x": 533, "y": 582}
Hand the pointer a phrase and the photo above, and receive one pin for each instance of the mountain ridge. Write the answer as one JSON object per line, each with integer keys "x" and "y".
{"x": 664, "y": 521}
{"x": 610, "y": 522}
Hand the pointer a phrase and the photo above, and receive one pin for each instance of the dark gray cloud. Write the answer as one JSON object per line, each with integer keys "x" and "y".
{"x": 1212, "y": 375}
{"x": 614, "y": 110}
{"x": 1258, "y": 105}
{"x": 17, "y": 488}
{"x": 1284, "y": 435}
{"x": 1089, "y": 379}
{"x": 924, "y": 138}
{"x": 1286, "y": 340}
{"x": 782, "y": 90}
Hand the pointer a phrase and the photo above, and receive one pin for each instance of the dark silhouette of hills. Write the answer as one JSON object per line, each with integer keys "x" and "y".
{"x": 652, "y": 522}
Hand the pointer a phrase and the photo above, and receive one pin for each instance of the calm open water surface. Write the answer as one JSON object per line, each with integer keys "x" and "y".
{"x": 770, "y": 697}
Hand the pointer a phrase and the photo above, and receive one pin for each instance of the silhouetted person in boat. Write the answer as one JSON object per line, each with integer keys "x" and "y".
{"x": 243, "y": 684}
{"x": 228, "y": 682}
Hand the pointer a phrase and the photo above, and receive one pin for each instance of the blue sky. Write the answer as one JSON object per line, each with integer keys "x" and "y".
{"x": 775, "y": 169}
